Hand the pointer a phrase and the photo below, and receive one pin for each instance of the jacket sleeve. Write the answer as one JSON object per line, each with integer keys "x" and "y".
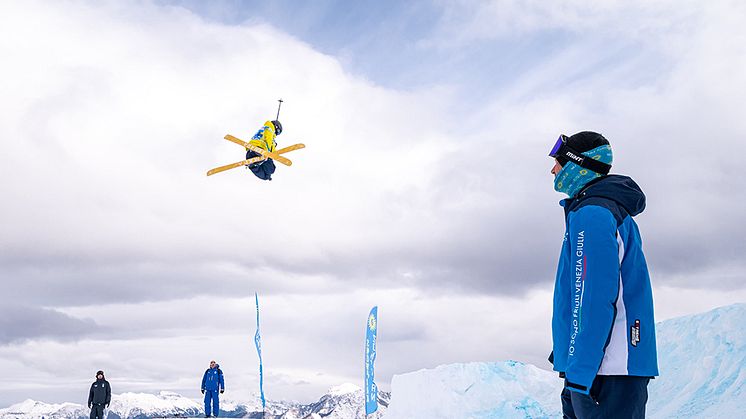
{"x": 90, "y": 395}
{"x": 108, "y": 393}
{"x": 595, "y": 277}
{"x": 222, "y": 382}
{"x": 204, "y": 377}
{"x": 561, "y": 312}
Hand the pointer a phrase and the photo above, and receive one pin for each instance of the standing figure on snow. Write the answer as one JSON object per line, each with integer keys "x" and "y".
{"x": 603, "y": 330}
{"x": 99, "y": 396}
{"x": 264, "y": 138}
{"x": 212, "y": 383}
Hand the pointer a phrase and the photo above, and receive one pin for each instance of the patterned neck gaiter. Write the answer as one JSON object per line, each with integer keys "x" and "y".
{"x": 572, "y": 178}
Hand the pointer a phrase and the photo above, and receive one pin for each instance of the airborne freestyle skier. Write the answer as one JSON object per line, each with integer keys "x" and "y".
{"x": 603, "y": 328}
{"x": 260, "y": 151}
{"x": 265, "y": 139}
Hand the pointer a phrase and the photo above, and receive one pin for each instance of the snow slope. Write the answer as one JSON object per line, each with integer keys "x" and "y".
{"x": 702, "y": 362}
{"x": 701, "y": 358}
{"x": 476, "y": 390}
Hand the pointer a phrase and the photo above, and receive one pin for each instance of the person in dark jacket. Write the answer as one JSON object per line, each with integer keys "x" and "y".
{"x": 212, "y": 383}
{"x": 603, "y": 329}
{"x": 99, "y": 396}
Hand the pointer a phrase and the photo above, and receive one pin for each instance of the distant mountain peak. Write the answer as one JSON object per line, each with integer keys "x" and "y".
{"x": 343, "y": 389}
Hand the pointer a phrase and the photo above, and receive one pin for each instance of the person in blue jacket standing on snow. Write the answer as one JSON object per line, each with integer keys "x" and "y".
{"x": 212, "y": 383}
{"x": 603, "y": 330}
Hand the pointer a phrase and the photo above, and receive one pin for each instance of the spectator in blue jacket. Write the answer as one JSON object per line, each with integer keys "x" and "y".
{"x": 212, "y": 383}
{"x": 603, "y": 329}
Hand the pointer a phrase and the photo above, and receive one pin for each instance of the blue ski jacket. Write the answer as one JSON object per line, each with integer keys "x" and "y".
{"x": 602, "y": 323}
{"x": 213, "y": 379}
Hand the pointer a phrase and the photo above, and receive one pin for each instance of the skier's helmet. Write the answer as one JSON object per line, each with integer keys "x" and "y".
{"x": 278, "y": 127}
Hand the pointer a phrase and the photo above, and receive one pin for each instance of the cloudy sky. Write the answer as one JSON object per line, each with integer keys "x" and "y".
{"x": 424, "y": 188}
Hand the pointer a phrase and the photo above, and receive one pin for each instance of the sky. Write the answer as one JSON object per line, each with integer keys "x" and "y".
{"x": 424, "y": 187}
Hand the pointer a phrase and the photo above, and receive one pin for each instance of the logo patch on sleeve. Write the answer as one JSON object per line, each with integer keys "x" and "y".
{"x": 634, "y": 333}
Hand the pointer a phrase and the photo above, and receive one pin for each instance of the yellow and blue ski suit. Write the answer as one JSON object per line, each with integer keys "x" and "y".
{"x": 265, "y": 139}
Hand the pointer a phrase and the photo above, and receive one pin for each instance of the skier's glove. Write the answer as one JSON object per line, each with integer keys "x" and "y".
{"x": 222, "y": 391}
{"x": 89, "y": 405}
{"x": 203, "y": 391}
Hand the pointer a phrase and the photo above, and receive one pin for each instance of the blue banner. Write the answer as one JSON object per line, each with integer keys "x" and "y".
{"x": 371, "y": 391}
{"x": 258, "y": 342}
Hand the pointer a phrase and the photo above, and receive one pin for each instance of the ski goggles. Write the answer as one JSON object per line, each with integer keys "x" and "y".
{"x": 563, "y": 151}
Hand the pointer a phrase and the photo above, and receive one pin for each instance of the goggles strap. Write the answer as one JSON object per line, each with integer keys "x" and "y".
{"x": 582, "y": 160}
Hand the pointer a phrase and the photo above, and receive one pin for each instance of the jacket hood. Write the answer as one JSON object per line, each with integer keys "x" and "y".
{"x": 618, "y": 188}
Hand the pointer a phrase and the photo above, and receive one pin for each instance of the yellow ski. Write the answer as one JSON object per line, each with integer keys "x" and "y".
{"x": 259, "y": 150}
{"x": 253, "y": 159}
{"x": 234, "y": 165}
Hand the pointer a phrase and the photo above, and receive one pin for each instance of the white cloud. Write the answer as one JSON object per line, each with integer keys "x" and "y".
{"x": 466, "y": 21}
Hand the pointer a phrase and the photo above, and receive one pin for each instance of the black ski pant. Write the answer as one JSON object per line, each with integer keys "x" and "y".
{"x": 97, "y": 411}
{"x": 611, "y": 397}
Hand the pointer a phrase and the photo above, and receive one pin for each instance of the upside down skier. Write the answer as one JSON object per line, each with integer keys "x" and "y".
{"x": 265, "y": 139}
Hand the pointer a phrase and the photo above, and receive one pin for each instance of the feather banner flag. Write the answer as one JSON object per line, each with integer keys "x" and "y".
{"x": 258, "y": 342}
{"x": 371, "y": 391}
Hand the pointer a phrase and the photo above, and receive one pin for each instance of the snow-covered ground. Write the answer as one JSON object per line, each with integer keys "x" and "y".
{"x": 701, "y": 357}
{"x": 702, "y": 360}
{"x": 476, "y": 390}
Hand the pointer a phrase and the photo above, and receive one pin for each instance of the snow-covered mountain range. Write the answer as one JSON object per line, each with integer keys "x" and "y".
{"x": 701, "y": 358}
{"x": 342, "y": 402}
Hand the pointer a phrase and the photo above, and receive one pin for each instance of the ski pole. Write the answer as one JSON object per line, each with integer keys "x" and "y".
{"x": 278, "y": 110}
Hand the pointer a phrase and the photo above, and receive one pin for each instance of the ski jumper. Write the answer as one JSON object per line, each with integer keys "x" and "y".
{"x": 264, "y": 138}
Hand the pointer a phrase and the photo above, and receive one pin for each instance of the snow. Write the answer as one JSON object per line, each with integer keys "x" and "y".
{"x": 33, "y": 409}
{"x": 346, "y": 388}
{"x": 342, "y": 402}
{"x": 476, "y": 390}
{"x": 701, "y": 360}
{"x": 165, "y": 403}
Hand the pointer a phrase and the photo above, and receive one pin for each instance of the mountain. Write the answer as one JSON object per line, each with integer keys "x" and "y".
{"x": 701, "y": 358}
{"x": 345, "y": 401}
